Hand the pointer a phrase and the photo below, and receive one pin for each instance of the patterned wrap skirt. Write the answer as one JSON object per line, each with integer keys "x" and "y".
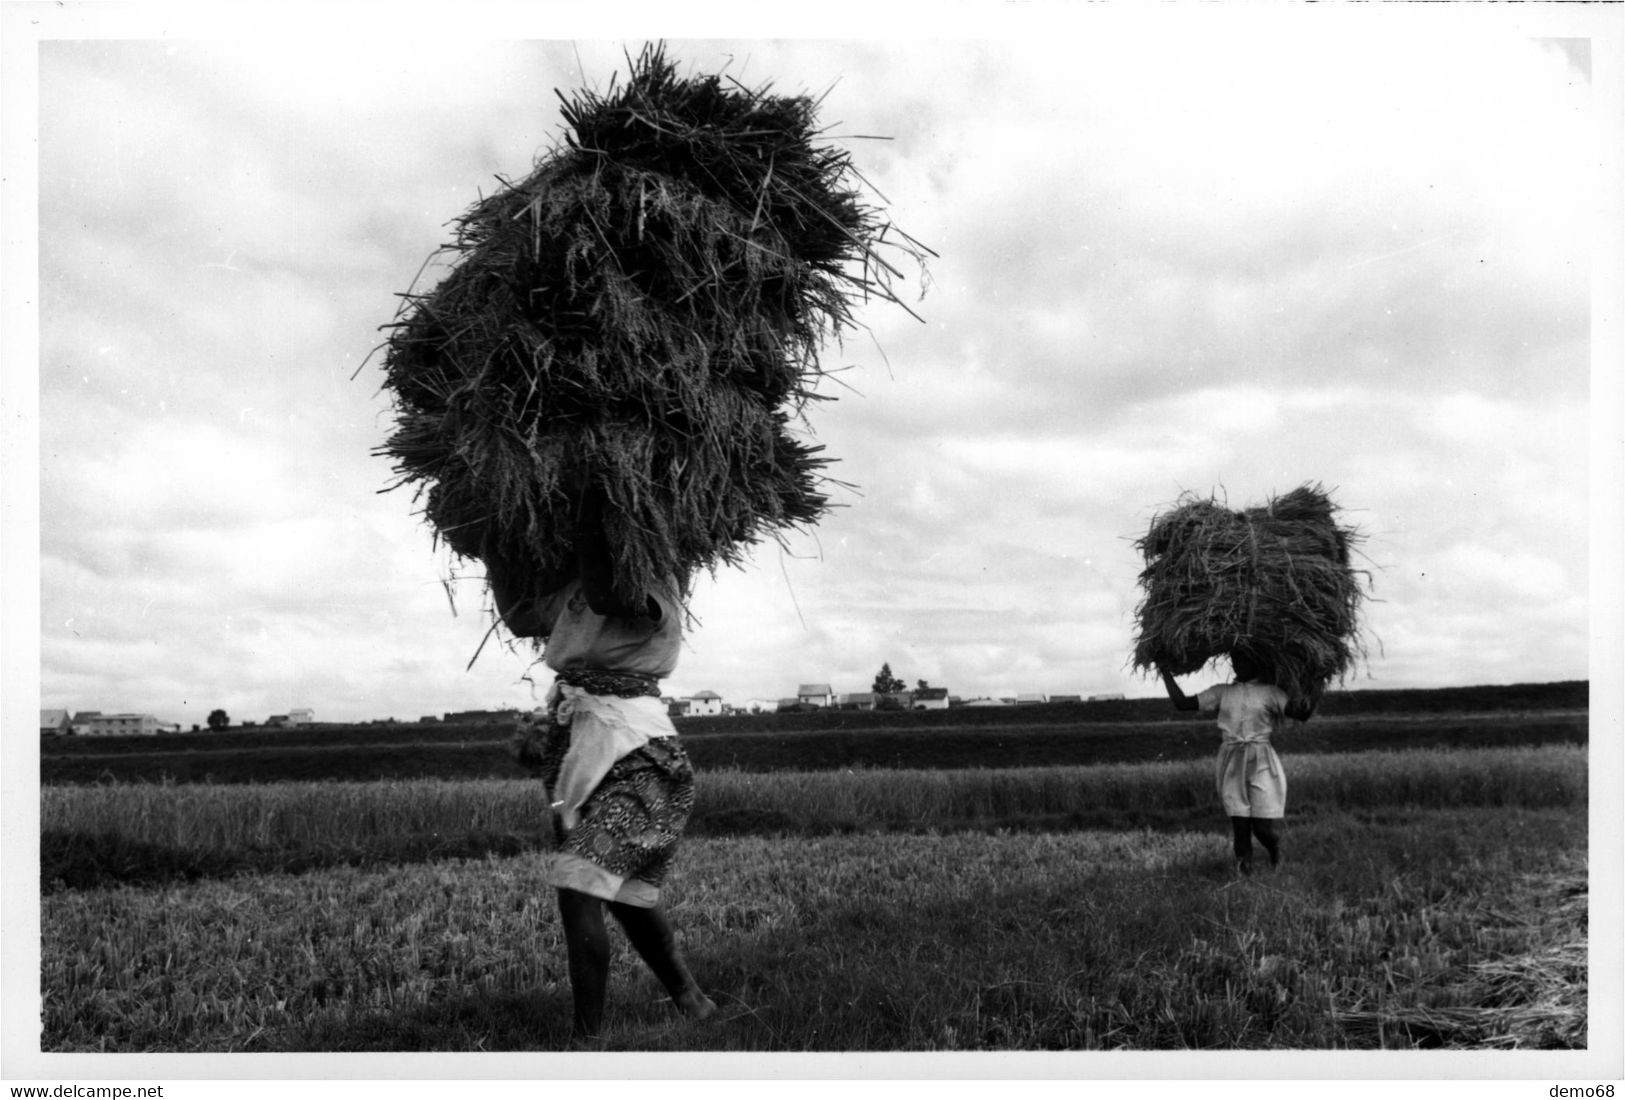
{"x": 621, "y": 847}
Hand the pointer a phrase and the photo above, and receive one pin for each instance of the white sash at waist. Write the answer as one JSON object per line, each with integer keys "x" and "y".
{"x": 603, "y": 728}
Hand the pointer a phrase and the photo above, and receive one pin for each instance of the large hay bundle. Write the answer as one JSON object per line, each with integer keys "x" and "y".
{"x": 1274, "y": 582}
{"x": 643, "y": 311}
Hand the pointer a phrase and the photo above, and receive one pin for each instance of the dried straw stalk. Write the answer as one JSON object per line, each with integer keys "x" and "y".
{"x": 643, "y": 311}
{"x": 1273, "y": 582}
{"x": 1529, "y": 999}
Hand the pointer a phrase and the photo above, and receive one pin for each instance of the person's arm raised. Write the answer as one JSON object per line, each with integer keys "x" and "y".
{"x": 1181, "y": 701}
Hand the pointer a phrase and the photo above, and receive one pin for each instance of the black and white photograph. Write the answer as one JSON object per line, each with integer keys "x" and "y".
{"x": 1013, "y": 541}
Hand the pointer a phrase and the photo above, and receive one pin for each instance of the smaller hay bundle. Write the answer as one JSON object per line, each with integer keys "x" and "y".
{"x": 1273, "y": 582}
{"x": 642, "y": 313}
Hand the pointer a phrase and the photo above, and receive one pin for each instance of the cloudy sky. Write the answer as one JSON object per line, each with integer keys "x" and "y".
{"x": 1228, "y": 255}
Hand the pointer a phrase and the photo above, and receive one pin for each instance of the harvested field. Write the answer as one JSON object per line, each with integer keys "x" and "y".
{"x": 1409, "y": 929}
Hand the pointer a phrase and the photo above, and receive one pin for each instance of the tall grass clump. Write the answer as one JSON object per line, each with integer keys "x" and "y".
{"x": 154, "y": 832}
{"x": 1430, "y": 779}
{"x": 1178, "y": 792}
{"x": 292, "y": 814}
{"x": 144, "y": 832}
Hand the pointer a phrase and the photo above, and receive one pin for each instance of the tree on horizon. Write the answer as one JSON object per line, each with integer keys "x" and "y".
{"x": 885, "y": 682}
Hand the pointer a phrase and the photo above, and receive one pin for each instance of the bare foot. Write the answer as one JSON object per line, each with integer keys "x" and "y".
{"x": 695, "y": 1005}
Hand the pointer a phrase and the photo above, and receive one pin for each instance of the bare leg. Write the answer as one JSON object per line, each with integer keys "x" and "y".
{"x": 1264, "y": 829}
{"x": 652, "y": 936}
{"x": 586, "y": 942}
{"x": 1241, "y": 830}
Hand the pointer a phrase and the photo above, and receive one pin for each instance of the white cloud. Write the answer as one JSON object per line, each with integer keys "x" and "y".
{"x": 1474, "y": 573}
{"x": 1223, "y": 263}
{"x": 159, "y": 477}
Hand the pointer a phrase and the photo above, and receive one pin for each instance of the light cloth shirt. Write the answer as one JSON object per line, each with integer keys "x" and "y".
{"x": 1248, "y": 774}
{"x": 579, "y": 637}
{"x": 1247, "y": 711}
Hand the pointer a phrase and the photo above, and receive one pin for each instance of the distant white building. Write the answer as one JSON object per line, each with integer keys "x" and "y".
{"x": 858, "y": 700}
{"x": 984, "y": 702}
{"x": 930, "y": 698}
{"x": 93, "y": 723}
{"x": 817, "y": 695}
{"x": 704, "y": 702}
{"x": 1108, "y": 697}
{"x": 1025, "y": 698}
{"x": 301, "y": 716}
{"x": 55, "y": 721}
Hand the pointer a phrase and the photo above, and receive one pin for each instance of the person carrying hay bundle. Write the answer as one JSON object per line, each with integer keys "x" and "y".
{"x": 596, "y": 403}
{"x": 1272, "y": 589}
{"x": 1248, "y": 773}
{"x": 621, "y": 784}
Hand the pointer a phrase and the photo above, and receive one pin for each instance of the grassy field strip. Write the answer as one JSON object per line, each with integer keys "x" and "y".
{"x": 1554, "y": 776}
{"x": 1454, "y": 927}
{"x": 313, "y": 815}
{"x": 830, "y": 750}
{"x": 271, "y": 750}
{"x": 416, "y": 736}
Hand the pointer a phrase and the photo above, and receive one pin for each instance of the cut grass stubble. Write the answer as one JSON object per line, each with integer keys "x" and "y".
{"x": 1429, "y": 928}
{"x": 1429, "y": 899}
